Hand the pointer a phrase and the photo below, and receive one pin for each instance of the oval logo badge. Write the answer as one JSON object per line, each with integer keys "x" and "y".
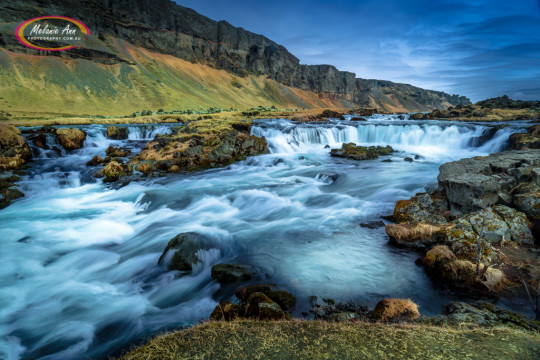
{"x": 51, "y": 33}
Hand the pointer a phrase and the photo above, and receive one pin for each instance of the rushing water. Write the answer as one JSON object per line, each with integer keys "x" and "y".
{"x": 79, "y": 259}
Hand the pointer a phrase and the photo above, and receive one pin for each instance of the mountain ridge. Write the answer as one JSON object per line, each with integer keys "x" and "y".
{"x": 165, "y": 27}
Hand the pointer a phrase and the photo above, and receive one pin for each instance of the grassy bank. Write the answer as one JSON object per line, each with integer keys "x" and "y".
{"x": 325, "y": 340}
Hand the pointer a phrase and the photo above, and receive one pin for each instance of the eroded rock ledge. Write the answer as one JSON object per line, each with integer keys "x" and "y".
{"x": 479, "y": 224}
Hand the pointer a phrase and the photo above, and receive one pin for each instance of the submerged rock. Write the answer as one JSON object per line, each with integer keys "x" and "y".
{"x": 71, "y": 139}
{"x": 228, "y": 273}
{"x": 352, "y": 151}
{"x": 182, "y": 251}
{"x": 392, "y": 310}
{"x": 14, "y": 151}
{"x": 372, "y": 224}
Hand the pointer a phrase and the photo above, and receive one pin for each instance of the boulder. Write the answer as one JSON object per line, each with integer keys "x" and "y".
{"x": 354, "y": 152}
{"x": 116, "y": 152}
{"x": 529, "y": 204}
{"x": 71, "y": 139}
{"x": 14, "y": 151}
{"x": 422, "y": 208}
{"x": 228, "y": 273}
{"x": 116, "y": 133}
{"x": 476, "y": 183}
{"x": 182, "y": 251}
{"x": 95, "y": 161}
{"x": 113, "y": 171}
{"x": 146, "y": 168}
{"x": 283, "y": 298}
{"x": 253, "y": 302}
{"x": 269, "y": 312}
{"x": 392, "y": 310}
{"x": 226, "y": 311}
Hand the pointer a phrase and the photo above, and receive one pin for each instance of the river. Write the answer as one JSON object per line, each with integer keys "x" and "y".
{"x": 80, "y": 275}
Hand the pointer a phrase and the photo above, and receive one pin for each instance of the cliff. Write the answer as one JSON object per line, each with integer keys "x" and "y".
{"x": 163, "y": 27}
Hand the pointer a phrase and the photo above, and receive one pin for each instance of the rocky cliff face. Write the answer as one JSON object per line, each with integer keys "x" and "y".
{"x": 163, "y": 26}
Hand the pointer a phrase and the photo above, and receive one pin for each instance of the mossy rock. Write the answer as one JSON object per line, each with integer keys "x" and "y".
{"x": 252, "y": 304}
{"x": 71, "y": 139}
{"x": 116, "y": 133}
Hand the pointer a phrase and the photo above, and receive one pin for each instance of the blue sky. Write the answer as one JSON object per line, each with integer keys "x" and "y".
{"x": 476, "y": 48}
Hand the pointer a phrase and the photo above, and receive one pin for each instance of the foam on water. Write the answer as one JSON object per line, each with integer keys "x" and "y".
{"x": 80, "y": 275}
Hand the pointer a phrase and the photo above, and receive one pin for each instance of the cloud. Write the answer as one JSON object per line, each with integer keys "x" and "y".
{"x": 477, "y": 48}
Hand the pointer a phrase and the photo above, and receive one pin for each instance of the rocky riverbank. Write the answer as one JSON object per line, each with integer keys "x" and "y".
{"x": 479, "y": 229}
{"x": 495, "y": 109}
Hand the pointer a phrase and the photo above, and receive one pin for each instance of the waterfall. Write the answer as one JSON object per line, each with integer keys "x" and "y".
{"x": 284, "y": 137}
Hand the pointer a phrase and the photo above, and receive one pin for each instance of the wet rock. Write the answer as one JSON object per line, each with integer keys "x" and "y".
{"x": 113, "y": 171}
{"x": 14, "y": 151}
{"x": 228, "y": 273}
{"x": 354, "y": 152}
{"x": 358, "y": 119}
{"x": 182, "y": 251}
{"x": 39, "y": 140}
{"x": 253, "y": 302}
{"x": 9, "y": 195}
{"x": 422, "y": 208}
{"x": 528, "y": 140}
{"x": 324, "y": 116}
{"x": 116, "y": 133}
{"x": 372, "y": 224}
{"x": 95, "y": 161}
{"x": 71, "y": 139}
{"x": 227, "y": 311}
{"x": 283, "y": 298}
{"x": 269, "y": 312}
{"x": 146, "y": 168}
{"x": 114, "y": 152}
{"x": 393, "y": 310}
{"x": 331, "y": 310}
{"x": 408, "y": 159}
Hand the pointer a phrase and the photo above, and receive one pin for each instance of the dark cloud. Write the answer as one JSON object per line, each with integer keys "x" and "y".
{"x": 478, "y": 48}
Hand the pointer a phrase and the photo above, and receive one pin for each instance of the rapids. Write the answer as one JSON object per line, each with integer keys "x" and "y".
{"x": 79, "y": 258}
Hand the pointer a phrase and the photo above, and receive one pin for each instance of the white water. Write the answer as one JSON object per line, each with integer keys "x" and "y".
{"x": 79, "y": 259}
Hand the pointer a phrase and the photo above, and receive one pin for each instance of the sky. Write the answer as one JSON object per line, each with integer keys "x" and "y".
{"x": 476, "y": 48}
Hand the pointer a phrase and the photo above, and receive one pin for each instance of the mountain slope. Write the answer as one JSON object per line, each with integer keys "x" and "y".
{"x": 156, "y": 28}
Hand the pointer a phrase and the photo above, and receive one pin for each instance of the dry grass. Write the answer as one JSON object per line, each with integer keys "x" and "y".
{"x": 325, "y": 340}
{"x": 411, "y": 232}
{"x": 390, "y": 309}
